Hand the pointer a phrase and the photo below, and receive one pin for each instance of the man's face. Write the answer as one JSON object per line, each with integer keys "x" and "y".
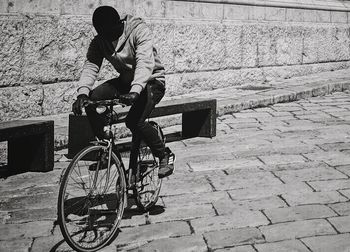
{"x": 111, "y": 32}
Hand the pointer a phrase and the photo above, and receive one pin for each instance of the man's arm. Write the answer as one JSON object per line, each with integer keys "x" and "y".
{"x": 144, "y": 58}
{"x": 92, "y": 65}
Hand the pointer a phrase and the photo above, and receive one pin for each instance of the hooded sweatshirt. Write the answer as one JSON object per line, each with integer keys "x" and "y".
{"x": 133, "y": 56}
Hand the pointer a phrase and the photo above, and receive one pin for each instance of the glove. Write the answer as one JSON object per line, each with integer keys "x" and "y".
{"x": 129, "y": 99}
{"x": 79, "y": 104}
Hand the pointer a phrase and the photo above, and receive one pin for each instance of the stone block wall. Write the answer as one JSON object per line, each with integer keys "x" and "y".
{"x": 204, "y": 45}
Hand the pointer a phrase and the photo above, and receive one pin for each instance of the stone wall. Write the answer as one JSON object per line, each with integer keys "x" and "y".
{"x": 204, "y": 45}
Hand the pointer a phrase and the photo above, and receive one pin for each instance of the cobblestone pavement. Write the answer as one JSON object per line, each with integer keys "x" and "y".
{"x": 274, "y": 179}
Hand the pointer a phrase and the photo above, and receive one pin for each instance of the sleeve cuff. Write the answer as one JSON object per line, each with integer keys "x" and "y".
{"x": 137, "y": 88}
{"x": 83, "y": 90}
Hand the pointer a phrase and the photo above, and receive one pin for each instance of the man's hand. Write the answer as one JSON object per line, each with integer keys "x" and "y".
{"x": 129, "y": 98}
{"x": 79, "y": 103}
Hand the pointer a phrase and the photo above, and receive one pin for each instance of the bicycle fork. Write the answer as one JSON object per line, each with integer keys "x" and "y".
{"x": 109, "y": 148}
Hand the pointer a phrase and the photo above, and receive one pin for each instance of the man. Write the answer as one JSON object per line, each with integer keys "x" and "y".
{"x": 127, "y": 45}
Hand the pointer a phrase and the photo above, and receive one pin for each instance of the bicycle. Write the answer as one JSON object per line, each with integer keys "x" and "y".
{"x": 95, "y": 186}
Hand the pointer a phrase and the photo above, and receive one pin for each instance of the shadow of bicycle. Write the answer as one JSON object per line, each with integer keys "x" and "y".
{"x": 78, "y": 207}
{"x": 131, "y": 210}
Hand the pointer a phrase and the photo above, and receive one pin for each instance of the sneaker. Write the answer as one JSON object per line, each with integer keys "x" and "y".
{"x": 166, "y": 166}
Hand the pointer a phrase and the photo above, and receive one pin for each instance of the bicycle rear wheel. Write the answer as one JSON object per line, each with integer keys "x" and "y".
{"x": 148, "y": 186}
{"x": 91, "y": 201}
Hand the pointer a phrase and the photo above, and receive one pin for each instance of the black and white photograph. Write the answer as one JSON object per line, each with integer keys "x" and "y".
{"x": 175, "y": 125}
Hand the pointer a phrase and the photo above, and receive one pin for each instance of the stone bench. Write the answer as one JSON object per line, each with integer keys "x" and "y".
{"x": 198, "y": 120}
{"x": 30, "y": 145}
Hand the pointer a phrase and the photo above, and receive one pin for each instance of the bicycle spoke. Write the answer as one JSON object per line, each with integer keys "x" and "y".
{"x": 111, "y": 180}
{"x": 82, "y": 181}
{"x": 148, "y": 190}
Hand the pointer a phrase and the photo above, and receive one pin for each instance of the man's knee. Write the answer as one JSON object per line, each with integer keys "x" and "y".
{"x": 95, "y": 95}
{"x": 131, "y": 125}
{"x": 135, "y": 126}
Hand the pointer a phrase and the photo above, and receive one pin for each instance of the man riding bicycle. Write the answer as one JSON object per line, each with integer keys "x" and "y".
{"x": 127, "y": 44}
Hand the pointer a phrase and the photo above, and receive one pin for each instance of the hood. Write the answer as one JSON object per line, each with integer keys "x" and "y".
{"x": 131, "y": 23}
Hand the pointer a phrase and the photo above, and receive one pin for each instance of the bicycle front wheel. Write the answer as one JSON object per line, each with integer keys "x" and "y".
{"x": 91, "y": 199}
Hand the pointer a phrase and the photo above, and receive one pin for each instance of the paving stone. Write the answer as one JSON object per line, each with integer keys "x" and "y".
{"x": 240, "y": 218}
{"x": 181, "y": 213}
{"x": 29, "y": 202}
{"x": 235, "y": 170}
{"x": 344, "y": 169}
{"x": 224, "y": 164}
{"x": 314, "y": 198}
{"x": 25, "y": 230}
{"x": 233, "y": 120}
{"x": 233, "y": 237}
{"x": 339, "y": 243}
{"x": 194, "y": 198}
{"x": 188, "y": 177}
{"x": 152, "y": 232}
{"x": 296, "y": 213}
{"x": 345, "y": 192}
{"x": 297, "y": 229}
{"x": 199, "y": 141}
{"x": 53, "y": 242}
{"x": 4, "y": 216}
{"x": 223, "y": 127}
{"x": 198, "y": 159}
{"x": 282, "y": 159}
{"x": 287, "y": 108}
{"x": 331, "y": 158}
{"x": 298, "y": 127}
{"x": 319, "y": 141}
{"x": 18, "y": 245}
{"x": 302, "y": 135}
{"x": 283, "y": 246}
{"x": 294, "y": 166}
{"x": 254, "y": 115}
{"x": 275, "y": 148}
{"x": 134, "y": 217}
{"x": 61, "y": 165}
{"x": 192, "y": 243}
{"x": 266, "y": 190}
{"x": 330, "y": 185}
{"x": 244, "y": 180}
{"x": 230, "y": 207}
{"x": 315, "y": 117}
{"x": 30, "y": 179}
{"x": 27, "y": 215}
{"x": 194, "y": 185}
{"x": 317, "y": 173}
{"x": 30, "y": 191}
{"x": 278, "y": 114}
{"x": 250, "y": 136}
{"x": 342, "y": 208}
{"x": 342, "y": 223}
{"x": 245, "y": 248}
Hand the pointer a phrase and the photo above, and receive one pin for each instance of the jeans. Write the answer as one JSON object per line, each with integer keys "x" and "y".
{"x": 136, "y": 118}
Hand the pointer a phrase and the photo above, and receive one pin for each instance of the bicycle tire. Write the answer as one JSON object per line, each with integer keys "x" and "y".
{"x": 146, "y": 195}
{"x": 89, "y": 219}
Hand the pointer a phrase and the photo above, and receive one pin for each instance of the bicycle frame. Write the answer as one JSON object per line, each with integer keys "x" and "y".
{"x": 112, "y": 147}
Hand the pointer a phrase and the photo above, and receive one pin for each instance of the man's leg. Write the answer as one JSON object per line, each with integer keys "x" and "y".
{"x": 106, "y": 91}
{"x": 136, "y": 120}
